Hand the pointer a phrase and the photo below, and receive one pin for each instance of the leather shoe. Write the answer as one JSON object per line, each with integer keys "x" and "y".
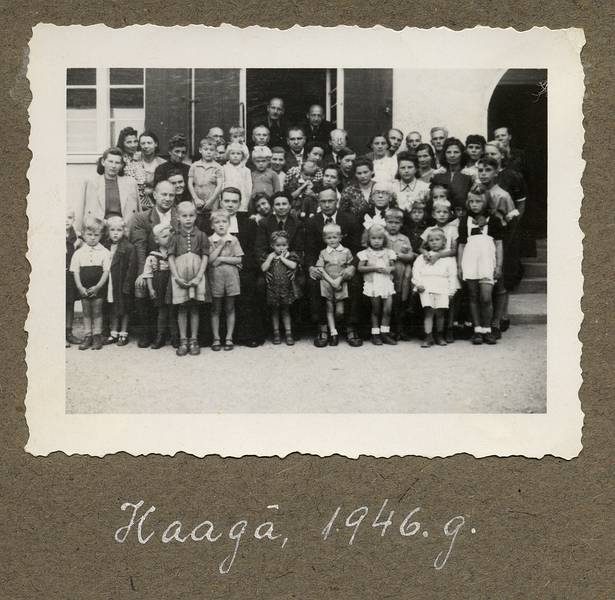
{"x": 71, "y": 339}
{"x": 159, "y": 342}
{"x": 334, "y": 340}
{"x": 144, "y": 342}
{"x": 252, "y": 344}
{"x": 376, "y": 339}
{"x": 322, "y": 340}
{"x": 353, "y": 339}
{"x": 388, "y": 339}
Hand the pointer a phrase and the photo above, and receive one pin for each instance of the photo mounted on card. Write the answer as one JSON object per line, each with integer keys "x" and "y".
{"x": 271, "y": 247}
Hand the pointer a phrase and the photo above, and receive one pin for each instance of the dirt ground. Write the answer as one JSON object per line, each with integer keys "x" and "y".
{"x": 460, "y": 378}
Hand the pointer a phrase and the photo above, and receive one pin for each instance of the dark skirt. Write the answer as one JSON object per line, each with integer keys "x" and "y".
{"x": 90, "y": 276}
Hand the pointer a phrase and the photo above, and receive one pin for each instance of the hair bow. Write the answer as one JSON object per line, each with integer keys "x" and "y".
{"x": 369, "y": 222}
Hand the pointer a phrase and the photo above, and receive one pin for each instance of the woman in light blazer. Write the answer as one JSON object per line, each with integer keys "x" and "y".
{"x": 110, "y": 192}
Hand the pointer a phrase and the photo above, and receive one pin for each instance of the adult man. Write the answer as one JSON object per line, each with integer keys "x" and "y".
{"x": 316, "y": 128}
{"x": 395, "y": 138}
{"x": 249, "y": 329}
{"x": 178, "y": 150}
{"x": 515, "y": 157}
{"x": 351, "y": 239}
{"x": 413, "y": 141}
{"x": 296, "y": 148}
{"x": 217, "y": 133}
{"x": 438, "y": 136}
{"x": 274, "y": 121}
{"x": 337, "y": 141}
{"x": 141, "y": 236}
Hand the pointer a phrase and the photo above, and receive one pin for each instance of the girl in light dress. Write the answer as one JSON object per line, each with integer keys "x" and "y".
{"x": 480, "y": 263}
{"x": 376, "y": 263}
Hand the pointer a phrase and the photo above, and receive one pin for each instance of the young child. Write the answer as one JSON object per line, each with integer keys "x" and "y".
{"x": 122, "y": 275}
{"x": 278, "y": 164}
{"x": 300, "y": 184}
{"x": 333, "y": 260}
{"x": 73, "y": 242}
{"x": 225, "y": 258}
{"x": 237, "y": 175}
{"x": 221, "y": 153}
{"x": 278, "y": 266}
{"x": 205, "y": 180}
{"x": 436, "y": 283}
{"x": 441, "y": 214}
{"x": 402, "y": 274}
{"x": 260, "y": 207}
{"x": 156, "y": 274}
{"x": 90, "y": 266}
{"x": 264, "y": 180}
{"x": 237, "y": 135}
{"x": 407, "y": 189}
{"x": 376, "y": 263}
{"x": 415, "y": 225}
{"x": 480, "y": 263}
{"x": 188, "y": 251}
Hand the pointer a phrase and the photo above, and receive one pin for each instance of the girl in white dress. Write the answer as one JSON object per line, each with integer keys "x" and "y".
{"x": 376, "y": 263}
{"x": 480, "y": 263}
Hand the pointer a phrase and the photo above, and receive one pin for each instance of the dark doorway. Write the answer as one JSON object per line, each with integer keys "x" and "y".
{"x": 519, "y": 101}
{"x": 299, "y": 88}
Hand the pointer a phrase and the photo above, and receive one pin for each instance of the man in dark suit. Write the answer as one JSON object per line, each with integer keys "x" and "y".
{"x": 279, "y": 219}
{"x": 274, "y": 122}
{"x": 351, "y": 239}
{"x": 296, "y": 153}
{"x": 316, "y": 128}
{"x": 141, "y": 236}
{"x": 515, "y": 159}
{"x": 178, "y": 151}
{"x": 337, "y": 141}
{"x": 250, "y": 331}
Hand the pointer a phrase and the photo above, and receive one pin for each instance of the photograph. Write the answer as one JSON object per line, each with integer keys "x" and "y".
{"x": 353, "y": 247}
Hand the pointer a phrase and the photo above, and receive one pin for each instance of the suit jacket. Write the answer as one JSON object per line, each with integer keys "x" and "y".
{"x": 458, "y": 186}
{"x": 329, "y": 159}
{"x": 267, "y": 226}
{"x": 320, "y": 134}
{"x": 277, "y": 131}
{"x": 351, "y": 235}
{"x": 140, "y": 233}
{"x": 94, "y": 202}
{"x": 291, "y": 159}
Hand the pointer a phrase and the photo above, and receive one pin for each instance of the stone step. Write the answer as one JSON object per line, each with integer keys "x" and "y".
{"x": 532, "y": 285}
{"x": 526, "y": 309}
{"x": 534, "y": 269}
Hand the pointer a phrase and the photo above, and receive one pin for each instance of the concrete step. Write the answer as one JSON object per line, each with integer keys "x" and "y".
{"x": 532, "y": 285}
{"x": 525, "y": 309}
{"x": 534, "y": 269}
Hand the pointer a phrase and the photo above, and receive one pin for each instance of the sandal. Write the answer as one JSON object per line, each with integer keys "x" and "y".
{"x": 290, "y": 340}
{"x": 228, "y": 345}
{"x": 122, "y": 339}
{"x": 216, "y": 346}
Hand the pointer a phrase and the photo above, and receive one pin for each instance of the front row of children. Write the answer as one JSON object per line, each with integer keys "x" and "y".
{"x": 189, "y": 268}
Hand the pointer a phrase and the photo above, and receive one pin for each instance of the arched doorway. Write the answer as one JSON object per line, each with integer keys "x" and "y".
{"x": 519, "y": 102}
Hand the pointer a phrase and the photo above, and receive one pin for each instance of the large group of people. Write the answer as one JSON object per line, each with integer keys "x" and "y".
{"x": 294, "y": 232}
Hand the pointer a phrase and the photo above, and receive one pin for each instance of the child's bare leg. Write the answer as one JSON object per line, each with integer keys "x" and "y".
{"x": 216, "y": 306}
{"x": 229, "y": 309}
{"x": 486, "y": 304}
{"x": 97, "y": 317}
{"x": 194, "y": 322}
{"x": 473, "y": 300}
{"x": 500, "y": 303}
{"x": 331, "y": 316}
{"x": 406, "y": 283}
{"x": 114, "y": 321}
{"x": 339, "y": 309}
{"x": 440, "y": 318}
{"x": 275, "y": 320}
{"x": 375, "y": 316}
{"x": 87, "y": 316}
{"x": 428, "y": 314}
{"x": 387, "y": 306}
{"x": 286, "y": 319}
{"x": 70, "y": 317}
{"x": 125, "y": 320}
{"x": 182, "y": 321}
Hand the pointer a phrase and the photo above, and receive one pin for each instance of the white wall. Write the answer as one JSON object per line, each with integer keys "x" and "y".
{"x": 457, "y": 99}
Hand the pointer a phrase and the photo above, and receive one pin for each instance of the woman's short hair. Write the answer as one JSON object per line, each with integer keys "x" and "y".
{"x": 113, "y": 151}
{"x": 124, "y": 133}
{"x": 430, "y": 151}
{"x": 408, "y": 156}
{"x": 362, "y": 161}
{"x": 149, "y": 133}
{"x": 382, "y": 135}
{"x": 452, "y": 141}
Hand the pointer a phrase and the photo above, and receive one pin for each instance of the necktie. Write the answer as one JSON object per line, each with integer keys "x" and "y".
{"x": 328, "y": 221}
{"x": 280, "y": 225}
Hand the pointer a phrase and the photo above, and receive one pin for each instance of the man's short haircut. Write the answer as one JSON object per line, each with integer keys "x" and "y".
{"x": 177, "y": 141}
{"x": 236, "y": 130}
{"x": 508, "y": 131}
{"x": 398, "y": 131}
{"x": 316, "y": 104}
{"x": 332, "y": 167}
{"x": 295, "y": 128}
{"x": 438, "y": 128}
{"x": 279, "y": 195}
{"x": 160, "y": 182}
{"x": 417, "y": 133}
{"x": 338, "y": 131}
{"x": 487, "y": 160}
{"x": 173, "y": 173}
{"x": 231, "y": 190}
{"x": 475, "y": 138}
{"x": 278, "y": 150}
{"x": 260, "y": 127}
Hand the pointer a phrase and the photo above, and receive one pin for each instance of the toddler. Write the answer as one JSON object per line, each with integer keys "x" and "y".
{"x": 278, "y": 267}
{"x": 436, "y": 283}
{"x": 300, "y": 186}
{"x": 237, "y": 135}
{"x": 122, "y": 275}
{"x": 90, "y": 266}
{"x": 480, "y": 263}
{"x": 237, "y": 175}
{"x": 205, "y": 180}
{"x": 376, "y": 263}
{"x": 332, "y": 262}
{"x": 264, "y": 180}
{"x": 225, "y": 258}
{"x": 188, "y": 251}
{"x": 156, "y": 274}
{"x": 73, "y": 242}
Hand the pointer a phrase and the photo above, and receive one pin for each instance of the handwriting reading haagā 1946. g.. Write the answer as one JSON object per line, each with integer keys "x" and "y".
{"x": 144, "y": 528}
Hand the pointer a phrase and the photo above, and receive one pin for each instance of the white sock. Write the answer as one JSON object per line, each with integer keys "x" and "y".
{"x": 486, "y": 329}
{"x": 113, "y": 334}
{"x": 375, "y": 330}
{"x": 385, "y": 329}
{"x": 333, "y": 331}
{"x": 478, "y": 329}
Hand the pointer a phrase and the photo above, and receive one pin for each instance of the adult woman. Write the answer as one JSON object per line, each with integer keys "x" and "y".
{"x": 346, "y": 157}
{"x": 355, "y": 198}
{"x": 149, "y": 146}
{"x": 110, "y": 193}
{"x": 128, "y": 143}
{"x": 385, "y": 166}
{"x": 453, "y": 160}
{"x": 427, "y": 162}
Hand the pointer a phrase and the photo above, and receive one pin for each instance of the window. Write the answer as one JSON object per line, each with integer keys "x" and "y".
{"x": 99, "y": 103}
